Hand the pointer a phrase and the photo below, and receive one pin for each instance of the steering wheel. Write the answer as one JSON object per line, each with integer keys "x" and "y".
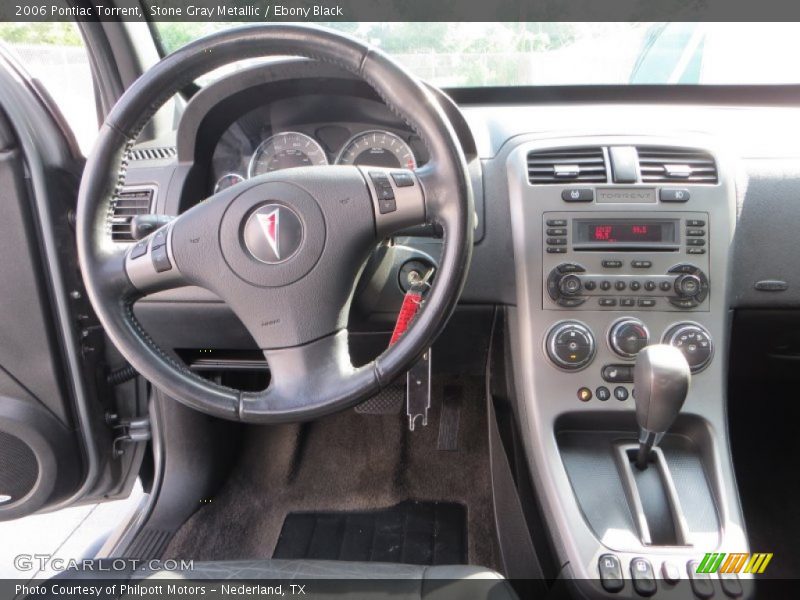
{"x": 283, "y": 250}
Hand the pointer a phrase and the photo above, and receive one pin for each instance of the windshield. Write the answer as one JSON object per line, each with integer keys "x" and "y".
{"x": 518, "y": 54}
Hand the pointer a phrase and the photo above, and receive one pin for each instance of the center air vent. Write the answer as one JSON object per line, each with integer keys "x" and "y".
{"x": 567, "y": 165}
{"x": 129, "y": 203}
{"x": 668, "y": 164}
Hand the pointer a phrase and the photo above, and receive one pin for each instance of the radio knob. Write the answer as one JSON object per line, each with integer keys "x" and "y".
{"x": 569, "y": 285}
{"x": 628, "y": 336}
{"x": 694, "y": 341}
{"x": 688, "y": 286}
{"x": 570, "y": 345}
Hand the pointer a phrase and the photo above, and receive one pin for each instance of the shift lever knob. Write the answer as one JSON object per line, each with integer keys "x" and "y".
{"x": 660, "y": 382}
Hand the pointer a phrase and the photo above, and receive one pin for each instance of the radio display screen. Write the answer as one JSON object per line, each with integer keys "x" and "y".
{"x": 625, "y": 231}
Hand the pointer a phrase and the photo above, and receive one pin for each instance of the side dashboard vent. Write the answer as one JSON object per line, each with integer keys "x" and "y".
{"x": 153, "y": 153}
{"x": 668, "y": 164}
{"x": 567, "y": 165}
{"x": 129, "y": 203}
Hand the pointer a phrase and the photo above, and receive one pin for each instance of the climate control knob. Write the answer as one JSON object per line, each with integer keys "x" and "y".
{"x": 694, "y": 341}
{"x": 570, "y": 345}
{"x": 628, "y": 336}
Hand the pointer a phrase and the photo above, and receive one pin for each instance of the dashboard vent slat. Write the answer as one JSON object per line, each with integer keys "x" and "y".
{"x": 153, "y": 153}
{"x": 567, "y": 165}
{"x": 667, "y": 164}
{"x": 129, "y": 203}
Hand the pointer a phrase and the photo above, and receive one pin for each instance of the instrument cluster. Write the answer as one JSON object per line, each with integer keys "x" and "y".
{"x": 326, "y": 145}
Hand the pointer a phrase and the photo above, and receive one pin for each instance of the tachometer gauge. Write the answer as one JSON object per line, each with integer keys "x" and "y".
{"x": 284, "y": 151}
{"x": 377, "y": 149}
{"x": 226, "y": 181}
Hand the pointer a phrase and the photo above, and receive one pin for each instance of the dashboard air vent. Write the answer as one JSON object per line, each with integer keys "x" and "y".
{"x": 153, "y": 153}
{"x": 131, "y": 202}
{"x": 567, "y": 165}
{"x": 668, "y": 164}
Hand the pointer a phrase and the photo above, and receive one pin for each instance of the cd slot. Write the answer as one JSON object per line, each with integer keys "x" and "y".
{"x": 606, "y": 247}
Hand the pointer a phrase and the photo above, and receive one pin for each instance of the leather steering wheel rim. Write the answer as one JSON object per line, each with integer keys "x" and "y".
{"x": 314, "y": 377}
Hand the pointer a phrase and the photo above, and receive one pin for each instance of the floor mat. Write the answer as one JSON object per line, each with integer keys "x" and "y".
{"x": 417, "y": 533}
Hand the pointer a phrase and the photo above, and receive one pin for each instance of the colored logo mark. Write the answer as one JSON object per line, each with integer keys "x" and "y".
{"x": 720, "y": 562}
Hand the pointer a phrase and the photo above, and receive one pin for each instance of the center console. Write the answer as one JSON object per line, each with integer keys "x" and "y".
{"x": 619, "y": 243}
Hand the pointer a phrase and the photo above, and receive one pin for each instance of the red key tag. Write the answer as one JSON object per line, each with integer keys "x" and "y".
{"x": 411, "y": 303}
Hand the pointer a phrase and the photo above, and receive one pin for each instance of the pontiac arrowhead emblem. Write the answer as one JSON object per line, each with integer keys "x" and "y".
{"x": 270, "y": 223}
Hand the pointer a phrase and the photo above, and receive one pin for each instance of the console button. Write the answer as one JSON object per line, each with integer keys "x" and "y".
{"x": 590, "y": 285}
{"x": 577, "y": 195}
{"x": 557, "y": 241}
{"x": 665, "y": 286}
{"x": 730, "y": 584}
{"x": 607, "y": 302}
{"x": 695, "y": 232}
{"x": 584, "y": 394}
{"x": 605, "y": 285}
{"x": 641, "y": 264}
{"x": 621, "y": 394}
{"x": 571, "y": 302}
{"x": 695, "y": 223}
{"x": 556, "y": 231}
{"x": 556, "y": 222}
{"x": 647, "y": 302}
{"x": 620, "y": 285}
{"x": 687, "y": 286}
{"x": 650, "y": 285}
{"x": 570, "y": 268}
{"x": 670, "y": 572}
{"x": 617, "y": 373}
{"x": 695, "y": 251}
{"x": 644, "y": 580}
{"x": 696, "y": 242}
{"x": 610, "y": 573}
{"x": 683, "y": 302}
{"x": 612, "y": 264}
{"x": 628, "y": 302}
{"x": 673, "y": 194}
{"x": 602, "y": 393}
{"x": 552, "y": 250}
{"x": 635, "y": 286}
{"x": 701, "y": 582}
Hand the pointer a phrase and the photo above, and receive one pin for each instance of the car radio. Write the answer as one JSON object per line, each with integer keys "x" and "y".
{"x": 611, "y": 261}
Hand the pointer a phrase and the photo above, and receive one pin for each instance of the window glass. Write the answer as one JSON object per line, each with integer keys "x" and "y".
{"x": 54, "y": 54}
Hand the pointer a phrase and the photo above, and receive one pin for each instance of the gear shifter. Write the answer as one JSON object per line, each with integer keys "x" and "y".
{"x": 660, "y": 382}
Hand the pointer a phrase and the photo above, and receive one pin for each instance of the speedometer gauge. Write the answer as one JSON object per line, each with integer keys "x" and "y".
{"x": 284, "y": 151}
{"x": 377, "y": 149}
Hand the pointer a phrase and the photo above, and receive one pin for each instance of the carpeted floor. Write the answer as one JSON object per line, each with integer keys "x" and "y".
{"x": 347, "y": 462}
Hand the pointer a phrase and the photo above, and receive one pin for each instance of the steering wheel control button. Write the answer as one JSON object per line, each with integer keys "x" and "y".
{"x": 602, "y": 393}
{"x": 273, "y": 233}
{"x": 644, "y": 580}
{"x": 584, "y": 394}
{"x": 160, "y": 238}
{"x": 402, "y": 179}
{"x": 611, "y": 577}
{"x": 701, "y": 582}
{"x": 139, "y": 249}
{"x": 617, "y": 373}
{"x": 160, "y": 259}
{"x": 570, "y": 345}
{"x": 674, "y": 195}
{"x": 628, "y": 336}
{"x": 577, "y": 195}
{"x": 621, "y": 393}
{"x": 670, "y": 572}
{"x": 694, "y": 341}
